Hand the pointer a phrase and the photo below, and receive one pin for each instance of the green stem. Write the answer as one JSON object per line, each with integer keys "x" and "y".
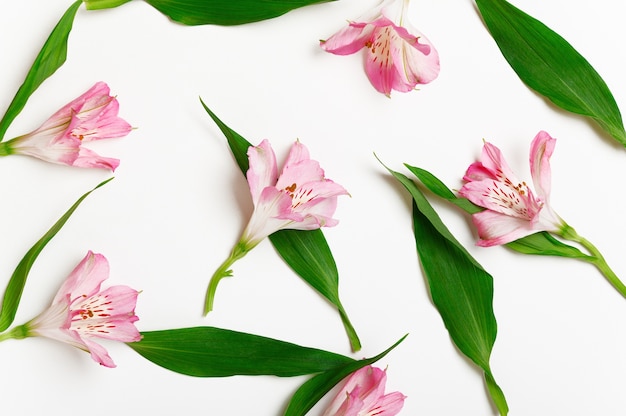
{"x": 355, "y": 342}
{"x": 496, "y": 394}
{"x": 19, "y": 332}
{"x": 5, "y": 148}
{"x": 596, "y": 258}
{"x": 240, "y": 250}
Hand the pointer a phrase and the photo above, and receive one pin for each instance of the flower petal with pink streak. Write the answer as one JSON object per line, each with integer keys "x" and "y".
{"x": 262, "y": 171}
{"x": 541, "y": 150}
{"x": 495, "y": 228}
{"x": 348, "y": 40}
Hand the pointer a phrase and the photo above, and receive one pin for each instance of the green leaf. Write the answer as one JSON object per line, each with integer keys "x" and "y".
{"x": 306, "y": 252}
{"x": 440, "y": 189}
{"x": 226, "y": 12}
{"x": 50, "y": 58}
{"x": 315, "y": 388}
{"x": 13, "y": 292}
{"x": 103, "y": 4}
{"x": 215, "y": 352}
{"x": 548, "y": 64}
{"x": 541, "y": 243}
{"x": 460, "y": 288}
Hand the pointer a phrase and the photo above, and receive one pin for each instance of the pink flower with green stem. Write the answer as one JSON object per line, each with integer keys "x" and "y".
{"x": 399, "y": 57}
{"x": 300, "y": 198}
{"x": 513, "y": 210}
{"x": 363, "y": 394}
{"x": 82, "y": 312}
{"x": 92, "y": 116}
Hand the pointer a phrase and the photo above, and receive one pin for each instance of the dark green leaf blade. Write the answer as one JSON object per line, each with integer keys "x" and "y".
{"x": 50, "y": 58}
{"x": 460, "y": 288}
{"x": 226, "y": 12}
{"x": 548, "y": 64}
{"x": 15, "y": 287}
{"x": 541, "y": 243}
{"x": 306, "y": 252}
{"x": 315, "y": 388}
{"x": 215, "y": 352}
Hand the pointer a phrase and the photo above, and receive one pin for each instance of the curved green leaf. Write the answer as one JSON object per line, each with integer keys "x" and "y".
{"x": 315, "y": 388}
{"x": 13, "y": 292}
{"x": 103, "y": 4}
{"x": 460, "y": 288}
{"x": 50, "y": 58}
{"x": 215, "y": 352}
{"x": 548, "y": 64}
{"x": 306, "y": 252}
{"x": 541, "y": 243}
{"x": 226, "y": 12}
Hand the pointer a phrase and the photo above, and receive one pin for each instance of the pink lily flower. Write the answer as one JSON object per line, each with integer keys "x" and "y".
{"x": 300, "y": 198}
{"x": 512, "y": 210}
{"x": 81, "y": 312}
{"x": 92, "y": 116}
{"x": 399, "y": 56}
{"x": 363, "y": 394}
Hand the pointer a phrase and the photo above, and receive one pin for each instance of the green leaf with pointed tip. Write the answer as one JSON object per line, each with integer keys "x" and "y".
{"x": 215, "y": 352}
{"x": 541, "y": 243}
{"x": 548, "y": 64}
{"x": 13, "y": 292}
{"x": 306, "y": 252}
{"x": 50, "y": 58}
{"x": 460, "y": 288}
{"x": 226, "y": 12}
{"x": 315, "y": 388}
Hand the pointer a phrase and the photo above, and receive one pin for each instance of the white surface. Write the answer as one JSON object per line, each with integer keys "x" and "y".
{"x": 178, "y": 203}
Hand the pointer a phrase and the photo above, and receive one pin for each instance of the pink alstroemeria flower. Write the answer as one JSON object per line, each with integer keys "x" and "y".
{"x": 363, "y": 394}
{"x": 512, "y": 209}
{"x": 92, "y": 116}
{"x": 300, "y": 198}
{"x": 398, "y": 58}
{"x": 81, "y": 312}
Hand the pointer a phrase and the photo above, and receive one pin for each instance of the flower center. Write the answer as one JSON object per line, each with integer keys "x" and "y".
{"x": 91, "y": 316}
{"x": 513, "y": 199}
{"x": 380, "y": 46}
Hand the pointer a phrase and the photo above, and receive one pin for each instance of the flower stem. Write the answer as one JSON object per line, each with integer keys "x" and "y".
{"x": 596, "y": 258}
{"x": 5, "y": 148}
{"x": 19, "y": 332}
{"x": 355, "y": 343}
{"x": 240, "y": 250}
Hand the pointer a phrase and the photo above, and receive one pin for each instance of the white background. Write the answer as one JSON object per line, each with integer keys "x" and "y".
{"x": 179, "y": 202}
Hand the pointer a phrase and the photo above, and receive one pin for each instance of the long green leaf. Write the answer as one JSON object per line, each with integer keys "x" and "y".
{"x": 306, "y": 252}
{"x": 548, "y": 64}
{"x": 15, "y": 287}
{"x": 226, "y": 12}
{"x": 541, "y": 243}
{"x": 315, "y": 388}
{"x": 50, "y": 58}
{"x": 215, "y": 352}
{"x": 460, "y": 288}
